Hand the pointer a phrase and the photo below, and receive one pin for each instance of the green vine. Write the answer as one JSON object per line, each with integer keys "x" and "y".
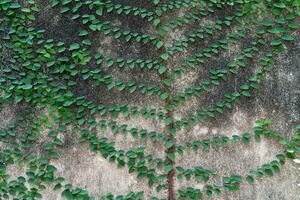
{"x": 39, "y": 73}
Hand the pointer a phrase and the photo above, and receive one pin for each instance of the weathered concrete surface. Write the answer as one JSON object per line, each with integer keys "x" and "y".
{"x": 277, "y": 99}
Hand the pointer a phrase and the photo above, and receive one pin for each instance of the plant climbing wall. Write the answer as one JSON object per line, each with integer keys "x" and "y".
{"x": 136, "y": 83}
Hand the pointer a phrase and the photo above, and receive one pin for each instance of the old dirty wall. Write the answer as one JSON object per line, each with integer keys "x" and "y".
{"x": 277, "y": 98}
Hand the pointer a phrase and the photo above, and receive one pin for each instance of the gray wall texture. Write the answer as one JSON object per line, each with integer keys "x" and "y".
{"x": 278, "y": 99}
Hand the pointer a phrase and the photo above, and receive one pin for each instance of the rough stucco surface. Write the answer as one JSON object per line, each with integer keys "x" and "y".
{"x": 278, "y": 99}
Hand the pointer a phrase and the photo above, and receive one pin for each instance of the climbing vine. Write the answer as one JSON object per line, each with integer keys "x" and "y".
{"x": 41, "y": 73}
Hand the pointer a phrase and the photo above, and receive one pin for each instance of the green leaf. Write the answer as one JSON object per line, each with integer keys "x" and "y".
{"x": 294, "y": 25}
{"x": 19, "y": 99}
{"x": 164, "y": 96}
{"x": 165, "y": 56}
{"x": 54, "y": 155}
{"x": 64, "y": 9}
{"x": 83, "y": 33}
{"x": 168, "y": 168}
{"x": 287, "y": 37}
{"x": 159, "y": 44}
{"x": 162, "y": 69}
{"x": 156, "y": 21}
{"x": 250, "y": 179}
{"x": 74, "y": 46}
{"x": 161, "y": 32}
{"x": 279, "y": 5}
{"x": 27, "y": 87}
{"x": 132, "y": 89}
{"x": 68, "y": 103}
{"x": 172, "y": 131}
{"x": 155, "y": 2}
{"x": 99, "y": 11}
{"x": 276, "y": 43}
{"x": 246, "y": 93}
{"x": 245, "y": 87}
{"x": 67, "y": 194}
{"x": 80, "y": 121}
{"x": 277, "y": 30}
{"x": 168, "y": 120}
{"x": 169, "y": 144}
{"x": 171, "y": 156}
{"x": 168, "y": 81}
{"x": 54, "y": 3}
{"x": 128, "y": 38}
{"x": 52, "y": 134}
{"x": 296, "y": 3}
{"x": 15, "y": 5}
{"x": 109, "y": 63}
{"x": 246, "y": 138}
{"x": 131, "y": 154}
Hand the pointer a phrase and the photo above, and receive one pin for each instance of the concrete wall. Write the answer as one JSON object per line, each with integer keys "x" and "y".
{"x": 278, "y": 99}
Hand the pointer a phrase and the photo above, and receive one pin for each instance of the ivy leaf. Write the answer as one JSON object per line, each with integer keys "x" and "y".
{"x": 246, "y": 138}
{"x": 131, "y": 154}
{"x": 74, "y": 46}
{"x": 288, "y": 37}
{"x": 155, "y": 2}
{"x": 27, "y": 87}
{"x": 172, "y": 131}
{"x": 165, "y": 56}
{"x": 164, "y": 96}
{"x": 57, "y": 186}
{"x": 54, "y": 3}
{"x": 128, "y": 38}
{"x": 171, "y": 156}
{"x": 159, "y": 44}
{"x": 169, "y": 144}
{"x": 250, "y": 179}
{"x": 109, "y": 63}
{"x": 132, "y": 89}
{"x": 156, "y": 21}
{"x": 277, "y": 30}
{"x": 18, "y": 98}
{"x": 162, "y": 69}
{"x": 15, "y": 5}
{"x": 83, "y": 33}
{"x": 244, "y": 87}
{"x": 52, "y": 134}
{"x": 246, "y": 93}
{"x": 168, "y": 120}
{"x": 99, "y": 11}
{"x": 64, "y": 9}
{"x": 68, "y": 103}
{"x": 279, "y": 5}
{"x": 168, "y": 81}
{"x": 161, "y": 32}
{"x": 276, "y": 43}
{"x": 80, "y": 122}
{"x": 54, "y": 155}
{"x": 67, "y": 194}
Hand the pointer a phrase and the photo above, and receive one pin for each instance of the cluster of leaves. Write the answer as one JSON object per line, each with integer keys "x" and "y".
{"x": 40, "y": 74}
{"x": 232, "y": 183}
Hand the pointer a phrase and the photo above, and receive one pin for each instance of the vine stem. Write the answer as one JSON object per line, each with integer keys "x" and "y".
{"x": 171, "y": 174}
{"x": 169, "y": 113}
